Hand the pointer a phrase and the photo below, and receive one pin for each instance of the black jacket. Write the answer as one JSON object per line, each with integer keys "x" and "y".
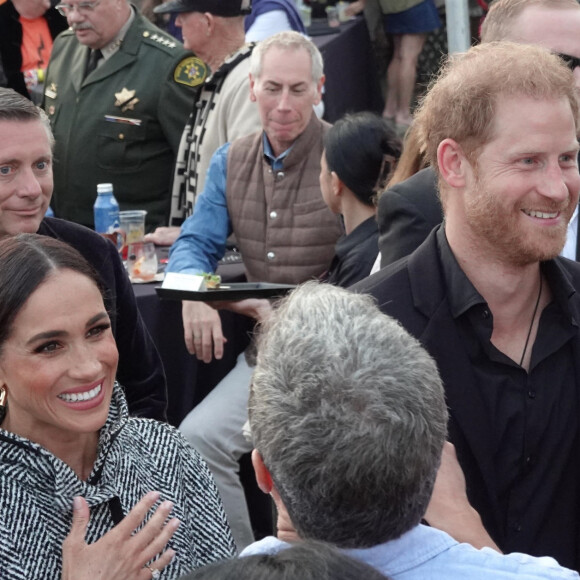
{"x": 413, "y": 290}
{"x": 406, "y": 214}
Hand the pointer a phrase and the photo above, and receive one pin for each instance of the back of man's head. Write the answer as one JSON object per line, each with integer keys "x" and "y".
{"x": 501, "y": 20}
{"x": 348, "y": 413}
{"x": 461, "y": 103}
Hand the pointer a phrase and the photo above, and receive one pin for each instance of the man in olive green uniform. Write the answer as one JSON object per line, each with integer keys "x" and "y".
{"x": 118, "y": 93}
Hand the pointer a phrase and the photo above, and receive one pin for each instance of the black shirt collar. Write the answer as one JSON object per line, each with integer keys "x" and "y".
{"x": 462, "y": 295}
{"x": 358, "y": 236}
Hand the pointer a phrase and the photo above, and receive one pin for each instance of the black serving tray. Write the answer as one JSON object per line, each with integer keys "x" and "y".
{"x": 233, "y": 291}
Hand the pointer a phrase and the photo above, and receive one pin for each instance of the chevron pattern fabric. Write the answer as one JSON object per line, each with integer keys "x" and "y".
{"x": 134, "y": 456}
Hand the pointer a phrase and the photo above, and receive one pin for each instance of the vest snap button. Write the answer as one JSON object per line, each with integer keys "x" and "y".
{"x": 270, "y": 255}
{"x": 279, "y": 176}
{"x": 273, "y": 215}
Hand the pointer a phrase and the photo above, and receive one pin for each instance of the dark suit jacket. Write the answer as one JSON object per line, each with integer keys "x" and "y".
{"x": 406, "y": 214}
{"x": 413, "y": 291}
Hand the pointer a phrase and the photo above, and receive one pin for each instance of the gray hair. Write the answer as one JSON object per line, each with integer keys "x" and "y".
{"x": 15, "y": 107}
{"x": 287, "y": 40}
{"x": 348, "y": 413}
{"x": 499, "y": 24}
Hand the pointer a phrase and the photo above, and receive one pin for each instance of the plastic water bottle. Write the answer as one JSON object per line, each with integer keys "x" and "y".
{"x": 106, "y": 209}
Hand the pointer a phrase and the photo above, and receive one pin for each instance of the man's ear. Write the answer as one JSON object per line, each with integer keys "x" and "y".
{"x": 252, "y": 85}
{"x": 453, "y": 163}
{"x": 263, "y": 476}
{"x": 319, "y": 86}
{"x": 210, "y": 23}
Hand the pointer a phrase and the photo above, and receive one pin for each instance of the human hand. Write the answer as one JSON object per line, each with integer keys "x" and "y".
{"x": 202, "y": 330}
{"x": 257, "y": 308}
{"x": 449, "y": 509}
{"x": 163, "y": 236}
{"x": 122, "y": 553}
{"x": 354, "y": 8}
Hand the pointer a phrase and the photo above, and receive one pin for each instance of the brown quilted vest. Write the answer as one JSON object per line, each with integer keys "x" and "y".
{"x": 284, "y": 230}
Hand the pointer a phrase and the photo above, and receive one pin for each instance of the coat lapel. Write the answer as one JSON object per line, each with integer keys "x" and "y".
{"x": 126, "y": 54}
{"x": 78, "y": 65}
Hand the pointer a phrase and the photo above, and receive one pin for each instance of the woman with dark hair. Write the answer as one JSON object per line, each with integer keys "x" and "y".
{"x": 303, "y": 561}
{"x": 69, "y": 451}
{"x": 360, "y": 151}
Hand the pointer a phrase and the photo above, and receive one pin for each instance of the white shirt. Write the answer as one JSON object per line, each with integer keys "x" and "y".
{"x": 569, "y": 249}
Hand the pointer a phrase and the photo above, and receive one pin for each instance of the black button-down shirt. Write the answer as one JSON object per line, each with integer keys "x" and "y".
{"x": 532, "y": 417}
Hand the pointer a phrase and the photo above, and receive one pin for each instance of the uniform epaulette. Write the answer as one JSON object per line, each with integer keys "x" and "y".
{"x": 162, "y": 41}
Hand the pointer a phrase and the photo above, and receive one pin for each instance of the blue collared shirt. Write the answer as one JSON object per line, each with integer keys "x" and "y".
{"x": 427, "y": 553}
{"x": 202, "y": 241}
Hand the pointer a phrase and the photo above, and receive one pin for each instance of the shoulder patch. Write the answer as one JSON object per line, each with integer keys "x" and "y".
{"x": 190, "y": 71}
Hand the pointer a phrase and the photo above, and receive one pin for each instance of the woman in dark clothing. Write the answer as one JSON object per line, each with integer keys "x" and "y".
{"x": 360, "y": 152}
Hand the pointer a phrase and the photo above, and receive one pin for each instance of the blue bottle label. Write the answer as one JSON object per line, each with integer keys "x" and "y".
{"x": 106, "y": 210}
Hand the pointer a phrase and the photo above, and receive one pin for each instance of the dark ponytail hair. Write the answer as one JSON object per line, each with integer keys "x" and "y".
{"x": 362, "y": 149}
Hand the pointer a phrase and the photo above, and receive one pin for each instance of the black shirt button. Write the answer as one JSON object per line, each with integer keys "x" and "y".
{"x": 485, "y": 313}
{"x": 532, "y": 394}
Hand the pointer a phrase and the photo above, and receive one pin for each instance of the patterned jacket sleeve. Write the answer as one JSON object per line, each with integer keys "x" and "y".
{"x": 208, "y": 532}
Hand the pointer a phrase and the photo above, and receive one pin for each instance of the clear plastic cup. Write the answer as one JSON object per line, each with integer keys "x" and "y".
{"x": 141, "y": 261}
{"x": 132, "y": 228}
{"x": 332, "y": 16}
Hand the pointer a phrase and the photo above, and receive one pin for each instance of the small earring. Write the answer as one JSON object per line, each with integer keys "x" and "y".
{"x": 2, "y": 403}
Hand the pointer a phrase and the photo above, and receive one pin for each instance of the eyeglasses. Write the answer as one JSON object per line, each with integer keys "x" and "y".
{"x": 570, "y": 61}
{"x": 81, "y": 7}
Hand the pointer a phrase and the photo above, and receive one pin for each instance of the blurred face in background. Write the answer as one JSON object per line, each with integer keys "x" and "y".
{"x": 553, "y": 28}
{"x": 31, "y": 9}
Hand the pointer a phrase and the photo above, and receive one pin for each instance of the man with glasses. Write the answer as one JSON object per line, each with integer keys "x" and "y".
{"x": 118, "y": 93}
{"x": 411, "y": 209}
